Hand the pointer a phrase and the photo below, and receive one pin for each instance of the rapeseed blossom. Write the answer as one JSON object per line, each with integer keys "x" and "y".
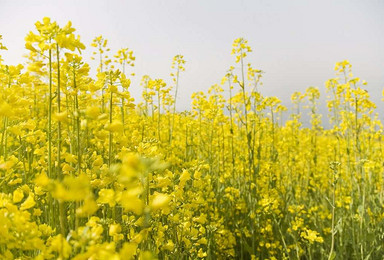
{"x": 87, "y": 172}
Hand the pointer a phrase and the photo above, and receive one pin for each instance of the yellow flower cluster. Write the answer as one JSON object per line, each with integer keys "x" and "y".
{"x": 88, "y": 173}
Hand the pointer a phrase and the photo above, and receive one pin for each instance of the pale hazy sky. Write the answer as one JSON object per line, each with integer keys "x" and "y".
{"x": 295, "y": 42}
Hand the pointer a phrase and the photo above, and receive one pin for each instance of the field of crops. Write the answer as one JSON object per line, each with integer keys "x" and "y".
{"x": 86, "y": 172}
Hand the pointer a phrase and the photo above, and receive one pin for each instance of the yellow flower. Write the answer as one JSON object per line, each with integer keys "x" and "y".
{"x": 88, "y": 208}
{"x": 115, "y": 126}
{"x": 312, "y": 236}
{"x": 42, "y": 180}
{"x": 114, "y": 229}
{"x": 18, "y": 195}
{"x": 107, "y": 196}
{"x": 28, "y": 203}
{"x": 37, "y": 212}
{"x": 92, "y": 112}
{"x": 60, "y": 245}
{"x": 61, "y": 117}
{"x": 169, "y": 246}
{"x": 185, "y": 176}
{"x": 201, "y": 253}
{"x": 5, "y": 109}
{"x": 160, "y": 201}
{"x": 128, "y": 251}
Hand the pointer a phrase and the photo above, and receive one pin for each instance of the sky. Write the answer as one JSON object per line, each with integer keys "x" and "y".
{"x": 296, "y": 42}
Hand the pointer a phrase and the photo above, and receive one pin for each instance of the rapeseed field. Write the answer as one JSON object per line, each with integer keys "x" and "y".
{"x": 87, "y": 172}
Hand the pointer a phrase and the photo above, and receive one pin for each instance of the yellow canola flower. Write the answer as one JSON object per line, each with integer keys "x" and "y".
{"x": 185, "y": 176}
{"x": 131, "y": 202}
{"x": 92, "y": 112}
{"x": 163, "y": 182}
{"x": 169, "y": 246}
{"x": 70, "y": 158}
{"x": 130, "y": 169}
{"x": 201, "y": 253}
{"x": 202, "y": 241}
{"x": 107, "y": 196}
{"x": 60, "y": 245}
{"x": 97, "y": 162}
{"x": 88, "y": 208}
{"x": 18, "y": 195}
{"x": 45, "y": 229}
{"x": 312, "y": 236}
{"x": 42, "y": 180}
{"x": 115, "y": 126}
{"x": 160, "y": 201}
{"x": 67, "y": 168}
{"x": 9, "y": 164}
{"x": 146, "y": 255}
{"x": 73, "y": 188}
{"x": 61, "y": 117}
{"x": 138, "y": 238}
{"x": 28, "y": 203}
{"x": 5, "y": 109}
{"x": 128, "y": 251}
{"x": 201, "y": 219}
{"x": 114, "y": 229}
{"x": 37, "y": 212}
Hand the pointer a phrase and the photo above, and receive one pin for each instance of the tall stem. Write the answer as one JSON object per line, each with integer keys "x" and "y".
{"x": 62, "y": 205}
{"x": 248, "y": 134}
{"x": 110, "y": 133}
{"x": 58, "y": 110}
{"x": 174, "y": 103}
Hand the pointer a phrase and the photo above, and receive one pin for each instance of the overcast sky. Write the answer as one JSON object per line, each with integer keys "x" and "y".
{"x": 295, "y": 42}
